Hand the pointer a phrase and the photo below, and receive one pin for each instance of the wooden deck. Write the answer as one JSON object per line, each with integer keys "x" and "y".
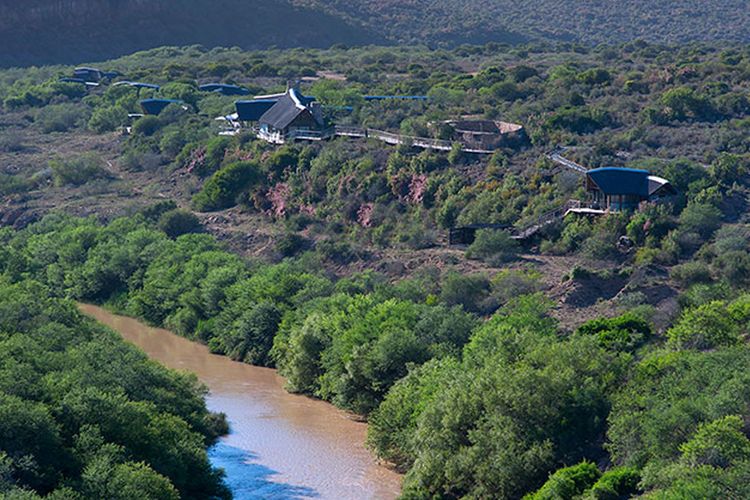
{"x": 400, "y": 139}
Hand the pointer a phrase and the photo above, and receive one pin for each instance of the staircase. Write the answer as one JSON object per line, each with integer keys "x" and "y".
{"x": 556, "y": 156}
{"x": 559, "y": 213}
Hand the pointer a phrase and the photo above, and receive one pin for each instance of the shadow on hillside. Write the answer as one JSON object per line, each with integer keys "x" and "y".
{"x": 35, "y": 32}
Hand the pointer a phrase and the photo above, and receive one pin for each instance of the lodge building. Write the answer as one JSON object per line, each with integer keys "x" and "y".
{"x": 616, "y": 189}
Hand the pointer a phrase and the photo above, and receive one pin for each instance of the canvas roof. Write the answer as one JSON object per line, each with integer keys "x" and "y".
{"x": 156, "y": 106}
{"x": 253, "y": 110}
{"x": 138, "y": 85}
{"x": 620, "y": 181}
{"x": 224, "y": 88}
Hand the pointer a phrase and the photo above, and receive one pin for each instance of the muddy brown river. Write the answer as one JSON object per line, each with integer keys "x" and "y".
{"x": 281, "y": 446}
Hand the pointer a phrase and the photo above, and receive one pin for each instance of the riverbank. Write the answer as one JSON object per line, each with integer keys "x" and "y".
{"x": 281, "y": 445}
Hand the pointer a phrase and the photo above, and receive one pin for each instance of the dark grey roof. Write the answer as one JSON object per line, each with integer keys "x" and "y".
{"x": 282, "y": 113}
{"x": 286, "y": 109}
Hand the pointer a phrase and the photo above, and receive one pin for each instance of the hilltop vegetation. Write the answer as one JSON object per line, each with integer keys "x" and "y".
{"x": 603, "y": 21}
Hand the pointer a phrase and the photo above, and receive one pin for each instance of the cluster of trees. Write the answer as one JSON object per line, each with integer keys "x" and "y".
{"x": 85, "y": 415}
{"x": 346, "y": 341}
{"x": 502, "y": 408}
{"x": 525, "y": 408}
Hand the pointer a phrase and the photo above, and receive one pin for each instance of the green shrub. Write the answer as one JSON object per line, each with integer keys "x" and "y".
{"x": 10, "y": 184}
{"x": 291, "y": 244}
{"x": 11, "y": 141}
{"x": 720, "y": 443}
{"x": 334, "y": 250}
{"x": 684, "y": 103}
{"x": 108, "y": 119}
{"x": 153, "y": 212}
{"x": 703, "y": 293}
{"x": 595, "y": 76}
{"x": 579, "y": 120}
{"x": 223, "y": 187}
{"x": 178, "y": 222}
{"x": 690, "y": 273}
{"x": 78, "y": 170}
{"x": 567, "y": 483}
{"x": 468, "y": 291}
{"x": 493, "y": 246}
{"x": 615, "y": 484}
{"x": 216, "y": 148}
{"x": 61, "y": 117}
{"x": 511, "y": 283}
{"x": 622, "y": 333}
{"x": 707, "y": 326}
{"x": 701, "y": 218}
{"x": 146, "y": 126}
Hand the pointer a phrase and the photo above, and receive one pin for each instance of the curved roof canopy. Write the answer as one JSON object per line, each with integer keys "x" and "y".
{"x": 156, "y": 106}
{"x": 67, "y": 79}
{"x": 251, "y": 111}
{"x": 629, "y": 181}
{"x": 139, "y": 85}
{"x": 224, "y": 89}
{"x": 620, "y": 181}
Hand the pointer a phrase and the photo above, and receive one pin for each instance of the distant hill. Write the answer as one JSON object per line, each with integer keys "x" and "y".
{"x": 587, "y": 21}
{"x": 71, "y": 31}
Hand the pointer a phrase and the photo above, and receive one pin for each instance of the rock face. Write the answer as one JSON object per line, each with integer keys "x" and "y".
{"x": 74, "y": 31}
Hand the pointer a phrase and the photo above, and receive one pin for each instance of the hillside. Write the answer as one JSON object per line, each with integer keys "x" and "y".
{"x": 70, "y": 31}
{"x": 590, "y": 22}
{"x": 605, "y": 355}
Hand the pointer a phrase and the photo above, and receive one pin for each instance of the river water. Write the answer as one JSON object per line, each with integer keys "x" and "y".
{"x": 281, "y": 446}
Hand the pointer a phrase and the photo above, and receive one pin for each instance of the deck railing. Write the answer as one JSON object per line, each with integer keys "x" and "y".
{"x": 545, "y": 219}
{"x": 408, "y": 140}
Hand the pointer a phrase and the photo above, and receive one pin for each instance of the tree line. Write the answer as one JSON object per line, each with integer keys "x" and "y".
{"x": 468, "y": 407}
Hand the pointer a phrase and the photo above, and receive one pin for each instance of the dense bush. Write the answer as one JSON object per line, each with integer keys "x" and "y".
{"x": 78, "y": 170}
{"x": 567, "y": 483}
{"x": 178, "y": 222}
{"x": 616, "y": 483}
{"x": 708, "y": 326}
{"x": 61, "y": 117}
{"x": 477, "y": 437}
{"x": 222, "y": 188}
{"x": 626, "y": 332}
{"x": 84, "y": 415}
{"x": 108, "y": 119}
{"x": 349, "y": 349}
{"x": 493, "y": 246}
